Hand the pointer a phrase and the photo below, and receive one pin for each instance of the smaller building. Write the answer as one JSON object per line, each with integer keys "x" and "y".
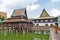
{"x": 44, "y": 19}
{"x": 3, "y": 14}
{"x": 43, "y": 23}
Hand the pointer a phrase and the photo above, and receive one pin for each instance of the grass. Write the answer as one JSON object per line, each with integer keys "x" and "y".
{"x": 27, "y": 36}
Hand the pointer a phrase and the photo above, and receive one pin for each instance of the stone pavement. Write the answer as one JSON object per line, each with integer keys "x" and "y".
{"x": 58, "y": 35}
{"x": 53, "y": 35}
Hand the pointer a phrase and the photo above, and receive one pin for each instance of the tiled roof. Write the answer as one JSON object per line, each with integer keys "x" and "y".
{"x": 18, "y": 12}
{"x": 16, "y": 16}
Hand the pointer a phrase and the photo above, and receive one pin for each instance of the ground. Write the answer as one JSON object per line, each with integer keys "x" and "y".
{"x": 58, "y": 35}
{"x": 20, "y": 36}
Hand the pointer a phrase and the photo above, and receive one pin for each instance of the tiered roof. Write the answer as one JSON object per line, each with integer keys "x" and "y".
{"x": 16, "y": 16}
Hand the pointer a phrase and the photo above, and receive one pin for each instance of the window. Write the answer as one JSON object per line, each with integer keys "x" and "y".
{"x": 37, "y": 24}
{"x": 37, "y": 21}
{"x": 46, "y": 24}
{"x": 41, "y": 20}
{"x": 51, "y": 24}
{"x": 51, "y": 20}
{"x": 46, "y": 20}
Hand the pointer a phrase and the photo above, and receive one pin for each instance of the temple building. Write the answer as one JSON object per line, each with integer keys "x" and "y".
{"x": 43, "y": 23}
{"x": 44, "y": 19}
{"x": 3, "y": 15}
{"x": 18, "y": 21}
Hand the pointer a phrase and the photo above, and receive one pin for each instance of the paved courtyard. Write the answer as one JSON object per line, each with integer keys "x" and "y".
{"x": 54, "y": 36}
{"x": 58, "y": 35}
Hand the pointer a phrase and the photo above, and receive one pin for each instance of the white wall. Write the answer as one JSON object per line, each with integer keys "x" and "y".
{"x": 43, "y": 24}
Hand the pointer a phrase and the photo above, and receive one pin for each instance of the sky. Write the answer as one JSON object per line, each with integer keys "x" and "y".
{"x": 33, "y": 7}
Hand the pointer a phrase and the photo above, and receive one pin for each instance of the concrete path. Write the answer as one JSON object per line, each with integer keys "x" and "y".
{"x": 53, "y": 36}
{"x": 58, "y": 35}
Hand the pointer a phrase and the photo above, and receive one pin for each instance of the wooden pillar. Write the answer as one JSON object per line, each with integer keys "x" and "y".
{"x": 27, "y": 29}
{"x": 3, "y": 26}
{"x": 24, "y": 31}
{"x": 8, "y": 28}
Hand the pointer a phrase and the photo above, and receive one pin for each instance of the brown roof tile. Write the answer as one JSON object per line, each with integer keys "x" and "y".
{"x": 18, "y": 12}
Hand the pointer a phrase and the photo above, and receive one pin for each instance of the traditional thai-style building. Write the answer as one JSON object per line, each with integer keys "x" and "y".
{"x": 44, "y": 19}
{"x": 21, "y": 23}
{"x": 18, "y": 21}
{"x": 43, "y": 23}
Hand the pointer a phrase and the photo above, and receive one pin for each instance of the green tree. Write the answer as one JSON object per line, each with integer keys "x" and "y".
{"x": 1, "y": 19}
{"x": 56, "y": 19}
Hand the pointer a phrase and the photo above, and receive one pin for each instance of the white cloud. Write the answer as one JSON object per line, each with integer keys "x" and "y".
{"x": 17, "y": 3}
{"x": 9, "y": 5}
{"x": 55, "y": 12}
{"x": 33, "y": 10}
{"x": 53, "y": 1}
{"x": 31, "y": 1}
{"x": 33, "y": 7}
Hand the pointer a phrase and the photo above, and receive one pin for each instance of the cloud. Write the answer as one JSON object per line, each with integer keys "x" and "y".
{"x": 33, "y": 7}
{"x": 13, "y": 4}
{"x": 9, "y": 5}
{"x": 33, "y": 10}
{"x": 55, "y": 12}
{"x": 53, "y": 1}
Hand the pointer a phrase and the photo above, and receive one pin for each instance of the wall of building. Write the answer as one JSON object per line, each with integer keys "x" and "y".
{"x": 43, "y": 24}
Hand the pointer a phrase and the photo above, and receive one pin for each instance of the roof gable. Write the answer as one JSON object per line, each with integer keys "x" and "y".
{"x": 44, "y": 14}
{"x": 20, "y": 12}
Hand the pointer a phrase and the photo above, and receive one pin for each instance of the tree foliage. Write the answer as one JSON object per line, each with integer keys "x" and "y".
{"x": 1, "y": 19}
{"x": 56, "y": 19}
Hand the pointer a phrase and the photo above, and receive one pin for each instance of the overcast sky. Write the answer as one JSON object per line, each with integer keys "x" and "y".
{"x": 34, "y": 7}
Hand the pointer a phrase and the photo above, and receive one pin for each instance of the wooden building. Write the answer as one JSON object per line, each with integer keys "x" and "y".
{"x": 44, "y": 19}
{"x": 18, "y": 21}
{"x": 43, "y": 23}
